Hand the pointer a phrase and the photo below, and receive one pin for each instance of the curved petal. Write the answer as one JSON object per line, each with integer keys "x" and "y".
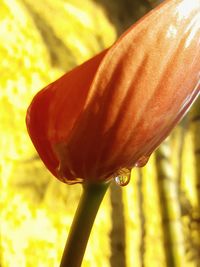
{"x": 143, "y": 86}
{"x": 153, "y": 78}
{"x": 116, "y": 108}
{"x": 54, "y": 111}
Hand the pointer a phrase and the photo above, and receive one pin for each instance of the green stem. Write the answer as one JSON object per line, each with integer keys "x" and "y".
{"x": 82, "y": 224}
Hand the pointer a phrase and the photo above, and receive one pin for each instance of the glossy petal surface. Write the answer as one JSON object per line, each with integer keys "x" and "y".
{"x": 115, "y": 109}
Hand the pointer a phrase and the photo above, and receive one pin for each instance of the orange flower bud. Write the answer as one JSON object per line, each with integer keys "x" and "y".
{"x": 111, "y": 112}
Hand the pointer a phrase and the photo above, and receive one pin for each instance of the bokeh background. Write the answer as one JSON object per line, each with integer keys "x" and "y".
{"x": 152, "y": 222}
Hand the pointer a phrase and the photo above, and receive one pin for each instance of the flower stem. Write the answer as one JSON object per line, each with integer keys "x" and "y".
{"x": 90, "y": 201}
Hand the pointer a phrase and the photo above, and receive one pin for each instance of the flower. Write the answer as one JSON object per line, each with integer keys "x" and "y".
{"x": 111, "y": 112}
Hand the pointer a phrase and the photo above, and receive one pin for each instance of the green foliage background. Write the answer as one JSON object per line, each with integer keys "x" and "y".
{"x": 39, "y": 41}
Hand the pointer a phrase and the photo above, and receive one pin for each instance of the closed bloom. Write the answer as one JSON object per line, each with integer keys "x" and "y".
{"x": 111, "y": 112}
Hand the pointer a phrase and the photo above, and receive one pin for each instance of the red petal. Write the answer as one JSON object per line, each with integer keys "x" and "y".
{"x": 116, "y": 108}
{"x": 144, "y": 85}
{"x": 54, "y": 110}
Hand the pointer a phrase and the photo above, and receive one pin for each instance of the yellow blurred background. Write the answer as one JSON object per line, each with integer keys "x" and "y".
{"x": 152, "y": 222}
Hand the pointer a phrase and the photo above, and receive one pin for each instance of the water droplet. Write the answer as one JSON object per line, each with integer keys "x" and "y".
{"x": 122, "y": 177}
{"x": 142, "y": 161}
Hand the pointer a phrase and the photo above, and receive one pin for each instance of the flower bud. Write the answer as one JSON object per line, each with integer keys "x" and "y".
{"x": 111, "y": 112}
